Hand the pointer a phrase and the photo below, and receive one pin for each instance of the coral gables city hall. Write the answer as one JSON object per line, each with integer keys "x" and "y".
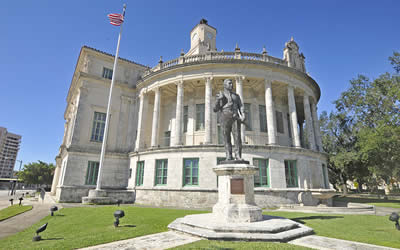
{"x": 164, "y": 138}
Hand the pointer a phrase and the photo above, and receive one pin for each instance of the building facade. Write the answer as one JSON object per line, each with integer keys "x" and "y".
{"x": 9, "y": 147}
{"x": 164, "y": 137}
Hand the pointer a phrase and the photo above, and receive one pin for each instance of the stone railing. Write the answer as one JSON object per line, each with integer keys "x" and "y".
{"x": 215, "y": 56}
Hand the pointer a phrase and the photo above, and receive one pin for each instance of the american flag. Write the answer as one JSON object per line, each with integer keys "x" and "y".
{"x": 116, "y": 19}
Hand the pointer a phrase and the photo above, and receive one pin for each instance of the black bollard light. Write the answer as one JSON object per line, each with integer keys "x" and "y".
{"x": 395, "y": 218}
{"x": 118, "y": 214}
{"x": 12, "y": 201}
{"x": 40, "y": 229}
{"x": 53, "y": 209}
{"x": 20, "y": 200}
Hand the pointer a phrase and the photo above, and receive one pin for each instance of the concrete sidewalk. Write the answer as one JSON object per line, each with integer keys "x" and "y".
{"x": 320, "y": 242}
{"x": 173, "y": 239}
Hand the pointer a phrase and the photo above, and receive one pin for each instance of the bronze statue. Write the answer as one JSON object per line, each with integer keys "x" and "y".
{"x": 232, "y": 115}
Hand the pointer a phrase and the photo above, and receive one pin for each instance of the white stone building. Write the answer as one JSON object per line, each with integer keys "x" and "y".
{"x": 164, "y": 138}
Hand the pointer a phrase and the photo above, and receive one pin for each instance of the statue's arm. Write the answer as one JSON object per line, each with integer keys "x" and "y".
{"x": 218, "y": 103}
{"x": 241, "y": 108}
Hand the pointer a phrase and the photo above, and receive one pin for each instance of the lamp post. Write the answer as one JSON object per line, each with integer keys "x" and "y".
{"x": 20, "y": 164}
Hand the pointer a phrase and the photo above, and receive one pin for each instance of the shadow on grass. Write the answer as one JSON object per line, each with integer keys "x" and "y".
{"x": 128, "y": 226}
{"x": 300, "y": 219}
{"x": 59, "y": 215}
{"x": 53, "y": 239}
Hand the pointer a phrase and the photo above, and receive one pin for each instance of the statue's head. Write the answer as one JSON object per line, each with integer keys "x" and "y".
{"x": 228, "y": 85}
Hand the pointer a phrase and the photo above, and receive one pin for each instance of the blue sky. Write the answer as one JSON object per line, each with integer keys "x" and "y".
{"x": 41, "y": 40}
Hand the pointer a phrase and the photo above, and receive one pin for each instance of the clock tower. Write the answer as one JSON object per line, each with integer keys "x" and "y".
{"x": 202, "y": 38}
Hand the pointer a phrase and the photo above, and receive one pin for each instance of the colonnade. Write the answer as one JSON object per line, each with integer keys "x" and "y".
{"x": 310, "y": 116}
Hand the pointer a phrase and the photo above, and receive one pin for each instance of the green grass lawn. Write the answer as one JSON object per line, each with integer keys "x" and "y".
{"x": 371, "y": 229}
{"x": 371, "y": 201}
{"x": 226, "y": 245}
{"x": 86, "y": 226}
{"x": 13, "y": 210}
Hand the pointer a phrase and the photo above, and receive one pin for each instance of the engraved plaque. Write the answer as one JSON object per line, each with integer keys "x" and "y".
{"x": 237, "y": 186}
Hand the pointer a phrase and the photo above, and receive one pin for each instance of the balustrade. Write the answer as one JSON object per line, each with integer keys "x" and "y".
{"x": 215, "y": 56}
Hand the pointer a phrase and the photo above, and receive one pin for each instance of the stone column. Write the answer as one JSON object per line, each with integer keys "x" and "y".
{"x": 309, "y": 122}
{"x": 208, "y": 111}
{"x": 317, "y": 131}
{"x": 56, "y": 176}
{"x": 140, "y": 132}
{"x": 269, "y": 108}
{"x": 239, "y": 91}
{"x": 156, "y": 116}
{"x": 293, "y": 118}
{"x": 179, "y": 113}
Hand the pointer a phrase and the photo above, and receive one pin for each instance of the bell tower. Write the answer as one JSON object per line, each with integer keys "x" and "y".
{"x": 202, "y": 38}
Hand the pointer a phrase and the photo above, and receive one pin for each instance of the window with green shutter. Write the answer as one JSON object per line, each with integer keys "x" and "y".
{"x": 291, "y": 173}
{"x": 191, "y": 171}
{"x": 139, "y": 173}
{"x": 161, "y": 172}
{"x": 92, "y": 172}
{"x": 261, "y": 178}
{"x": 99, "y": 122}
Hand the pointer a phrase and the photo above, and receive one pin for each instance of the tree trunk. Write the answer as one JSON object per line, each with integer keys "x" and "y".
{"x": 345, "y": 191}
{"x": 360, "y": 187}
{"x": 343, "y": 181}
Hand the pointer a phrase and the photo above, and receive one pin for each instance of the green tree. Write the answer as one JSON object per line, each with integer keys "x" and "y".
{"x": 37, "y": 173}
{"x": 340, "y": 142}
{"x": 362, "y": 134}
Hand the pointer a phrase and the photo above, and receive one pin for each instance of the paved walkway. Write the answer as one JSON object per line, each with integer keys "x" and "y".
{"x": 319, "y": 242}
{"x": 22, "y": 221}
{"x": 172, "y": 239}
{"x": 153, "y": 241}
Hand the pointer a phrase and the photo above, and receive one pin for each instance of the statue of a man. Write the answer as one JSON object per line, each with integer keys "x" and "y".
{"x": 232, "y": 113}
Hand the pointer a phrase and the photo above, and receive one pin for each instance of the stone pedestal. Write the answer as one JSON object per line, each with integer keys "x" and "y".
{"x": 236, "y": 193}
{"x": 98, "y": 197}
{"x": 236, "y": 216}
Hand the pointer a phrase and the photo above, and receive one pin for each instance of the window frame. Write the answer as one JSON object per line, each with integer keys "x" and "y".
{"x": 107, "y": 73}
{"x": 139, "y": 173}
{"x": 289, "y": 164}
{"x": 100, "y": 127}
{"x": 200, "y": 121}
{"x": 190, "y": 184}
{"x": 167, "y": 138}
{"x": 92, "y": 173}
{"x": 266, "y": 165}
{"x": 163, "y": 167}
{"x": 262, "y": 114}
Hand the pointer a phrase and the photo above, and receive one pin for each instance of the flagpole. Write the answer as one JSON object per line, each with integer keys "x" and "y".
{"x": 104, "y": 144}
